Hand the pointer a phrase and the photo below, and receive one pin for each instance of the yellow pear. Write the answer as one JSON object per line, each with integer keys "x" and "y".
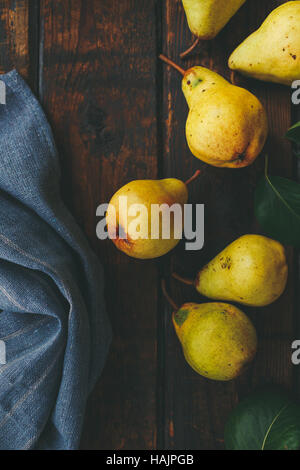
{"x": 227, "y": 125}
{"x": 218, "y": 339}
{"x": 206, "y": 18}
{"x": 251, "y": 271}
{"x": 133, "y": 227}
{"x": 272, "y": 53}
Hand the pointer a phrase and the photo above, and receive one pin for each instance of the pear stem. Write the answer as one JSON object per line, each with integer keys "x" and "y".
{"x": 233, "y": 77}
{"x": 190, "y": 49}
{"x": 193, "y": 178}
{"x": 172, "y": 64}
{"x": 189, "y": 282}
{"x": 266, "y": 165}
{"x": 169, "y": 299}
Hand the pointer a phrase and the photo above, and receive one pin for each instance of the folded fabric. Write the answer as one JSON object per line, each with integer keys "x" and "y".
{"x": 53, "y": 323}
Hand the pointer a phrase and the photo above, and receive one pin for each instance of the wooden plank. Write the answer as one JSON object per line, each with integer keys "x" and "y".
{"x": 196, "y": 409}
{"x": 98, "y": 89}
{"x": 14, "y": 36}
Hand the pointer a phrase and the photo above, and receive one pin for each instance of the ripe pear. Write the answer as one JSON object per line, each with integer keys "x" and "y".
{"x": 206, "y": 18}
{"x": 218, "y": 339}
{"x": 227, "y": 125}
{"x": 251, "y": 271}
{"x": 130, "y": 227}
{"x": 272, "y": 53}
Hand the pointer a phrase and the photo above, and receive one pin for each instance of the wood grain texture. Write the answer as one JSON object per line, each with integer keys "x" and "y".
{"x": 196, "y": 409}
{"x": 118, "y": 115}
{"x": 14, "y": 36}
{"x": 99, "y": 91}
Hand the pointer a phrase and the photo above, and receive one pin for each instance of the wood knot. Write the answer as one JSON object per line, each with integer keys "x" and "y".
{"x": 98, "y": 130}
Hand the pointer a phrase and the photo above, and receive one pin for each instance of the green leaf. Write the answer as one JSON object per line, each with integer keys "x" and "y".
{"x": 277, "y": 208}
{"x": 293, "y": 133}
{"x": 267, "y": 420}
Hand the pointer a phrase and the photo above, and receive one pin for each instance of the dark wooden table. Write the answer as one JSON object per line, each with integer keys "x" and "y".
{"x": 118, "y": 114}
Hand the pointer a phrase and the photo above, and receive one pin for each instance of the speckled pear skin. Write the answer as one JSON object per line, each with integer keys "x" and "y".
{"x": 166, "y": 191}
{"x": 251, "y": 271}
{"x": 218, "y": 339}
{"x": 227, "y": 125}
{"x": 272, "y": 53}
{"x": 206, "y": 18}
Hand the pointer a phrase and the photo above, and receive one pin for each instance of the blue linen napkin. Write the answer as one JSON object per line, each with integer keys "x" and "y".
{"x": 53, "y": 323}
